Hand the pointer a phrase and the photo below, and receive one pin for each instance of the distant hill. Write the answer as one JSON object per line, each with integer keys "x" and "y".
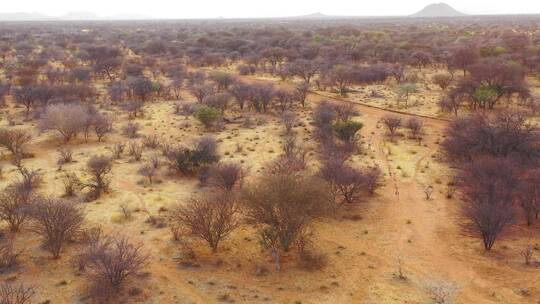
{"x": 22, "y": 16}
{"x": 314, "y": 16}
{"x": 438, "y": 10}
{"x": 79, "y": 16}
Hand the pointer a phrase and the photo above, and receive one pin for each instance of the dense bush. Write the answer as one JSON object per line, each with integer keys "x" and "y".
{"x": 207, "y": 116}
{"x": 282, "y": 207}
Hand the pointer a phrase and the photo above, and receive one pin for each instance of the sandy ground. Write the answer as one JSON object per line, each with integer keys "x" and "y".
{"x": 397, "y": 226}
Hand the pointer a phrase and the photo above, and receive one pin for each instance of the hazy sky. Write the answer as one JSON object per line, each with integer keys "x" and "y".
{"x": 260, "y": 8}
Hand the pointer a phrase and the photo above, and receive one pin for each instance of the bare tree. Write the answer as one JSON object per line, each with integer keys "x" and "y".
{"x": 527, "y": 253}
{"x": 16, "y": 294}
{"x": 14, "y": 140}
{"x": 135, "y": 150}
{"x": 226, "y": 176}
{"x": 529, "y": 195}
{"x": 131, "y": 129}
{"x": 289, "y": 119}
{"x": 211, "y": 217}
{"x": 148, "y": 171}
{"x": 14, "y": 206}
{"x": 118, "y": 149}
{"x": 283, "y": 99}
{"x": 302, "y": 93}
{"x": 416, "y": 126}
{"x": 66, "y": 119}
{"x": 500, "y": 135}
{"x": 343, "y": 179}
{"x": 392, "y": 123}
{"x": 442, "y": 80}
{"x": 201, "y": 90}
{"x": 56, "y": 221}
{"x": 109, "y": 260}
{"x": 372, "y": 177}
{"x": 488, "y": 187}
{"x": 102, "y": 125}
{"x": 282, "y": 207}
{"x": 8, "y": 255}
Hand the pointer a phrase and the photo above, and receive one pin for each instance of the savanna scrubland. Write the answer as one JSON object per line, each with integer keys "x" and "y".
{"x": 270, "y": 161}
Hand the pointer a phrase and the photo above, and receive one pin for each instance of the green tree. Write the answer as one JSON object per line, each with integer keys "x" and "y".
{"x": 346, "y": 130}
{"x": 207, "y": 115}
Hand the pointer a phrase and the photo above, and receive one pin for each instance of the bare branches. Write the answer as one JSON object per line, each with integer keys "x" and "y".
{"x": 211, "y": 217}
{"x": 56, "y": 221}
{"x": 14, "y": 206}
{"x": 16, "y": 294}
{"x": 109, "y": 260}
{"x": 14, "y": 140}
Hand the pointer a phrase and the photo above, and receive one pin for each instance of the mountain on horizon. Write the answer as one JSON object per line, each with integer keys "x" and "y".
{"x": 79, "y": 16}
{"x": 23, "y": 16}
{"x": 438, "y": 10}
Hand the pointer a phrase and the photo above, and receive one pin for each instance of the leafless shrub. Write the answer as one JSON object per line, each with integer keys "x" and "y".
{"x": 488, "y": 186}
{"x": 416, "y": 126}
{"x": 134, "y": 107}
{"x": 528, "y": 195}
{"x": 126, "y": 211}
{"x": 428, "y": 191}
{"x": 282, "y": 207}
{"x": 289, "y": 119}
{"x": 71, "y": 184}
{"x": 392, "y": 123}
{"x": 8, "y": 255}
{"x": 118, "y": 149}
{"x": 29, "y": 180}
{"x": 135, "y": 150}
{"x": 102, "y": 124}
{"x": 14, "y": 206}
{"x": 211, "y": 217}
{"x": 527, "y": 254}
{"x": 65, "y": 155}
{"x": 309, "y": 259}
{"x": 56, "y": 221}
{"x": 14, "y": 140}
{"x": 344, "y": 111}
{"x": 226, "y": 176}
{"x": 442, "y": 80}
{"x": 109, "y": 260}
{"x": 148, "y": 171}
{"x": 442, "y": 292}
{"x": 16, "y": 294}
{"x": 344, "y": 180}
{"x": 185, "y": 108}
{"x": 400, "y": 274}
{"x": 151, "y": 141}
{"x": 165, "y": 148}
{"x": 293, "y": 159}
{"x": 155, "y": 161}
{"x": 372, "y": 178}
{"x": 67, "y": 119}
{"x": 502, "y": 134}
{"x": 131, "y": 129}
